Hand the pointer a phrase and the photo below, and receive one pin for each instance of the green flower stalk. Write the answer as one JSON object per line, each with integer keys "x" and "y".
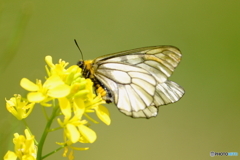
{"x": 71, "y": 99}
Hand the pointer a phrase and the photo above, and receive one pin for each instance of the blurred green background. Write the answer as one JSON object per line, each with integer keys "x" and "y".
{"x": 206, "y": 119}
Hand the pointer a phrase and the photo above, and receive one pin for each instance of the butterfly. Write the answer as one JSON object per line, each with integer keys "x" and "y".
{"x": 136, "y": 80}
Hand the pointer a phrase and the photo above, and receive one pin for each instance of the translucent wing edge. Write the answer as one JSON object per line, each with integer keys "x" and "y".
{"x": 166, "y": 93}
{"x": 142, "y": 50}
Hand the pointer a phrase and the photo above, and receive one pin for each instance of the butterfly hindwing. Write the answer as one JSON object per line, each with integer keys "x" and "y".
{"x": 137, "y": 79}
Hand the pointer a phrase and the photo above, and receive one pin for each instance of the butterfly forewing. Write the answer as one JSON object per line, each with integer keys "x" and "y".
{"x": 137, "y": 79}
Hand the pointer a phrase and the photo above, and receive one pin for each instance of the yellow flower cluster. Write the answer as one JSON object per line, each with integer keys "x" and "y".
{"x": 19, "y": 106}
{"x": 70, "y": 95}
{"x": 24, "y": 147}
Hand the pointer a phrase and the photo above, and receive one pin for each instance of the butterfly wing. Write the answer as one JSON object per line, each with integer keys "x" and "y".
{"x": 137, "y": 79}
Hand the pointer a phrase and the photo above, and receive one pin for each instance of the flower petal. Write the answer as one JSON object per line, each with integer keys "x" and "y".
{"x": 28, "y": 157}
{"x": 87, "y": 133}
{"x": 53, "y": 82}
{"x": 28, "y": 85}
{"x": 78, "y": 106}
{"x": 59, "y": 91}
{"x": 73, "y": 133}
{"x": 12, "y": 110}
{"x": 10, "y": 156}
{"x": 65, "y": 107}
{"x": 35, "y": 97}
{"x": 48, "y": 60}
{"x": 103, "y": 114}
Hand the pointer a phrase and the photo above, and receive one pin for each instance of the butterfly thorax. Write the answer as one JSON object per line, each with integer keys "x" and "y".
{"x": 86, "y": 67}
{"x": 88, "y": 72}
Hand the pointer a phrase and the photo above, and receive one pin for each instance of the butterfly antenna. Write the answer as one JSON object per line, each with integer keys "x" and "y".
{"x": 78, "y": 48}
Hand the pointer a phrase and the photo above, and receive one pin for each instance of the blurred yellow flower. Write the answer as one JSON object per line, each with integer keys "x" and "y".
{"x": 24, "y": 147}
{"x": 19, "y": 106}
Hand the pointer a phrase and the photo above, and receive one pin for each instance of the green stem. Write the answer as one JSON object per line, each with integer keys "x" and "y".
{"x": 53, "y": 152}
{"x": 44, "y": 112}
{"x": 54, "y": 129}
{"x": 45, "y": 133}
{"x": 26, "y": 125}
{"x": 91, "y": 119}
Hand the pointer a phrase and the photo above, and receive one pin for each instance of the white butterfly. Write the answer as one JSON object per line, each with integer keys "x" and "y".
{"x": 136, "y": 80}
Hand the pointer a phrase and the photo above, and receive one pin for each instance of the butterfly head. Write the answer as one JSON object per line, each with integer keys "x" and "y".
{"x": 80, "y": 63}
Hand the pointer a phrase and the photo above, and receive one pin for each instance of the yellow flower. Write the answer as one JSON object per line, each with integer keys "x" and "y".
{"x": 76, "y": 107}
{"x": 24, "y": 147}
{"x": 74, "y": 128}
{"x": 73, "y": 99}
{"x": 19, "y": 107}
{"x": 10, "y": 155}
{"x": 101, "y": 111}
{"x": 69, "y": 76}
{"x": 56, "y": 69}
{"x": 53, "y": 87}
